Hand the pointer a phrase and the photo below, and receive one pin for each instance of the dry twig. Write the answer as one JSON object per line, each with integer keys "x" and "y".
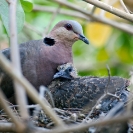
{"x": 5, "y": 106}
{"x": 122, "y": 26}
{"x": 51, "y": 21}
{"x": 15, "y": 57}
{"x": 124, "y": 6}
{"x": 83, "y": 126}
{"x": 111, "y": 9}
{"x": 29, "y": 26}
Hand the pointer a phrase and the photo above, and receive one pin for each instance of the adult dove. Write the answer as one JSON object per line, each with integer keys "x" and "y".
{"x": 40, "y": 58}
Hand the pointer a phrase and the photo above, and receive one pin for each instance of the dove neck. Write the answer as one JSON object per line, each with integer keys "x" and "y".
{"x": 61, "y": 41}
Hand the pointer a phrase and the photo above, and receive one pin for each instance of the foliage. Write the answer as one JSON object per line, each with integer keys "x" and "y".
{"x": 27, "y": 5}
{"x": 107, "y": 45}
{"x": 4, "y": 13}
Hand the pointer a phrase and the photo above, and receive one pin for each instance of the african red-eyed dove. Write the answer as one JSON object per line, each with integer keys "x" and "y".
{"x": 40, "y": 58}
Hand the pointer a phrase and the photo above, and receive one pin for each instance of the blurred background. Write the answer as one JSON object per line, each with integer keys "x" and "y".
{"x": 108, "y": 45}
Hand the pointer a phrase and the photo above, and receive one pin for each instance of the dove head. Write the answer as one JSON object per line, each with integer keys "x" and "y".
{"x": 67, "y": 71}
{"x": 68, "y": 31}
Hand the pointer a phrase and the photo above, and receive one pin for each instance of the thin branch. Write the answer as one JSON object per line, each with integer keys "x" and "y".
{"x": 15, "y": 57}
{"x": 51, "y": 21}
{"x": 125, "y": 27}
{"x": 7, "y": 109}
{"x": 94, "y": 9}
{"x": 130, "y": 97}
{"x": 31, "y": 27}
{"x": 61, "y": 11}
{"x": 102, "y": 13}
{"x": 7, "y": 127}
{"x": 108, "y": 70}
{"x": 111, "y": 9}
{"x": 114, "y": 111}
{"x": 43, "y": 91}
{"x": 98, "y": 102}
{"x": 124, "y": 6}
{"x": 10, "y": 127}
{"x": 33, "y": 94}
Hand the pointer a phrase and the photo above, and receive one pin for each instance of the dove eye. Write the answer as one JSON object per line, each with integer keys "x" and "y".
{"x": 68, "y": 26}
{"x": 70, "y": 69}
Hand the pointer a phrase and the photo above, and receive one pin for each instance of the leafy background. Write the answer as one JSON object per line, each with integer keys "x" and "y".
{"x": 107, "y": 44}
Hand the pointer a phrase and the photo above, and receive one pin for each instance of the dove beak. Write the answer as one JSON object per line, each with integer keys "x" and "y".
{"x": 62, "y": 74}
{"x": 83, "y": 38}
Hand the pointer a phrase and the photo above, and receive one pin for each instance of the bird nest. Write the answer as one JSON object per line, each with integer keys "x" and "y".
{"x": 84, "y": 100}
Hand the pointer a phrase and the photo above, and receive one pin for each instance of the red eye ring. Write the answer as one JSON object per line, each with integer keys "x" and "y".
{"x": 68, "y": 26}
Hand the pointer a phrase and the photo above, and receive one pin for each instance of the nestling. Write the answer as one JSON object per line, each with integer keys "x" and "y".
{"x": 67, "y": 71}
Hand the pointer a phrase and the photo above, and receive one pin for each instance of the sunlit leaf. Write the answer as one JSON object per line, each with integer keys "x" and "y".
{"x": 27, "y": 5}
{"x": 124, "y": 55}
{"x": 98, "y": 33}
{"x": 102, "y": 55}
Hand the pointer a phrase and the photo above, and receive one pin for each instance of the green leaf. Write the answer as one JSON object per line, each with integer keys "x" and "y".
{"x": 102, "y": 55}
{"x": 4, "y": 12}
{"x": 27, "y": 5}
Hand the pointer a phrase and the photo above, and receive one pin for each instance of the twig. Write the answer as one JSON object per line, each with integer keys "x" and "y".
{"x": 106, "y": 93}
{"x": 29, "y": 26}
{"x": 7, "y": 127}
{"x": 83, "y": 126}
{"x": 14, "y": 106}
{"x": 114, "y": 111}
{"x": 111, "y": 9}
{"x": 108, "y": 70}
{"x": 102, "y": 13}
{"x": 44, "y": 90}
{"x": 122, "y": 26}
{"x": 61, "y": 11}
{"x": 27, "y": 106}
{"x": 106, "y": 90}
{"x": 124, "y": 6}
{"x": 5, "y": 64}
{"x": 110, "y": 94}
{"x": 16, "y": 121}
{"x": 51, "y": 21}
{"x": 93, "y": 9}
{"x": 98, "y": 101}
{"x": 15, "y": 57}
{"x": 130, "y": 97}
